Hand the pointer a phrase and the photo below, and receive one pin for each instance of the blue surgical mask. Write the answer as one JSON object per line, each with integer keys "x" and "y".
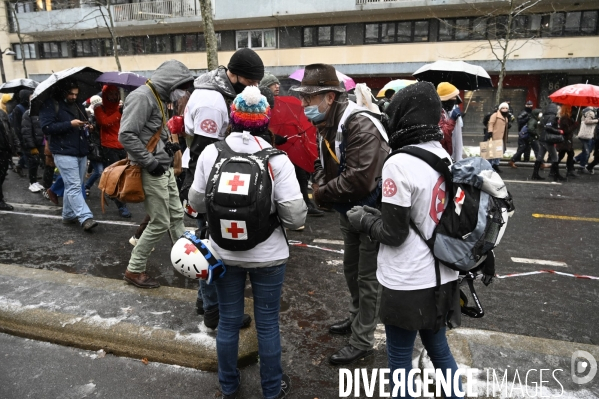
{"x": 314, "y": 114}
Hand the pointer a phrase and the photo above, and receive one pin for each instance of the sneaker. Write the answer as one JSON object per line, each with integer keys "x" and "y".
{"x": 42, "y": 188}
{"x": 301, "y": 228}
{"x": 591, "y": 171}
{"x": 133, "y": 240}
{"x": 89, "y": 224}
{"x": 69, "y": 221}
{"x": 285, "y": 386}
{"x": 34, "y": 188}
{"x": 5, "y": 207}
{"x": 45, "y": 194}
{"x": 87, "y": 192}
{"x": 124, "y": 212}
{"x": 19, "y": 170}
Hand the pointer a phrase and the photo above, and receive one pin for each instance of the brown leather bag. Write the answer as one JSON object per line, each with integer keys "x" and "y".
{"x": 122, "y": 180}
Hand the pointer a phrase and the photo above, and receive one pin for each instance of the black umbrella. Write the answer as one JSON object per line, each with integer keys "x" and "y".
{"x": 85, "y": 77}
{"x": 462, "y": 75}
{"x": 16, "y": 85}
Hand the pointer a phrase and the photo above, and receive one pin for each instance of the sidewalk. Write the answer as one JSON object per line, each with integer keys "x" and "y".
{"x": 96, "y": 313}
{"x": 162, "y": 326}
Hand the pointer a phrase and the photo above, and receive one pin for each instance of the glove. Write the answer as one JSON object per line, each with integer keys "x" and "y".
{"x": 34, "y": 151}
{"x": 280, "y": 139}
{"x": 455, "y": 114}
{"x": 561, "y": 132}
{"x": 157, "y": 171}
{"x": 372, "y": 211}
{"x": 355, "y": 216}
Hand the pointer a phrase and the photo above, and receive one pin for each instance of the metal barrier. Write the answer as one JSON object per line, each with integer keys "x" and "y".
{"x": 155, "y": 10}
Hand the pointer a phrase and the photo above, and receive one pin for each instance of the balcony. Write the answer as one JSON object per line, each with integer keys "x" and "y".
{"x": 152, "y": 10}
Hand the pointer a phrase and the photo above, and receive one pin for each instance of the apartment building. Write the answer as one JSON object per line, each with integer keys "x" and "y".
{"x": 555, "y": 43}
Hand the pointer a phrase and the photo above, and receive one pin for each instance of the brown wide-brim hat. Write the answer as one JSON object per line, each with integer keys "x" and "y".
{"x": 319, "y": 78}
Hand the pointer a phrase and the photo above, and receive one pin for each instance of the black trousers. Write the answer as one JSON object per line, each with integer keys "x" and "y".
{"x": 569, "y": 159}
{"x": 4, "y": 161}
{"x": 302, "y": 179}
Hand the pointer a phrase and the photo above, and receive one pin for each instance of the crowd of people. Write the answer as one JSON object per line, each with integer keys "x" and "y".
{"x": 379, "y": 199}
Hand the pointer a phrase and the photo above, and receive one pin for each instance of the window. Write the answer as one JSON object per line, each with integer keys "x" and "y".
{"x": 588, "y": 24}
{"x": 479, "y": 29}
{"x": 519, "y": 26}
{"x": 555, "y": 24}
{"x": 55, "y": 50}
{"x": 572, "y": 24}
{"x": 396, "y": 32}
{"x": 28, "y": 48}
{"x": 462, "y": 29}
{"x": 534, "y": 25}
{"x": 329, "y": 35}
{"x": 446, "y": 30}
{"x": 85, "y": 48}
{"x": 262, "y": 38}
{"x": 161, "y": 44}
{"x": 126, "y": 46}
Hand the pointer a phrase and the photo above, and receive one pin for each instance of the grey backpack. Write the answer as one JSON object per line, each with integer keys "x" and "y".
{"x": 475, "y": 216}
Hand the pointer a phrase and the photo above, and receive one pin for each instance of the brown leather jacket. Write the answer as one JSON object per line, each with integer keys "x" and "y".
{"x": 366, "y": 151}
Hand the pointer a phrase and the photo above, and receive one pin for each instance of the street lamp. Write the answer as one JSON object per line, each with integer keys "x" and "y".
{"x": 5, "y": 52}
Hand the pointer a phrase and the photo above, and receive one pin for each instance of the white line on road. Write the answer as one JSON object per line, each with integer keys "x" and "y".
{"x": 532, "y": 182}
{"x": 323, "y": 241}
{"x": 539, "y": 262}
{"x": 37, "y": 207}
{"x": 37, "y": 215}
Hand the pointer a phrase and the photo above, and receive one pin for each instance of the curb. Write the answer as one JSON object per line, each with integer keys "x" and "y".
{"x": 119, "y": 337}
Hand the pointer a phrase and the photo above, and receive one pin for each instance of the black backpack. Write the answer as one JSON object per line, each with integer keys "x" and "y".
{"x": 238, "y": 198}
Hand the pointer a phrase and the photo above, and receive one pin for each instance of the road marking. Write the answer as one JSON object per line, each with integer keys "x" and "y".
{"x": 37, "y": 215}
{"x": 573, "y": 218}
{"x": 580, "y": 276}
{"x": 37, "y": 207}
{"x": 323, "y": 241}
{"x": 532, "y": 182}
{"x": 539, "y": 262}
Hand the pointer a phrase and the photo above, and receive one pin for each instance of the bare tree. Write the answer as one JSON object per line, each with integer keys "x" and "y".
{"x": 17, "y": 27}
{"x": 209, "y": 34}
{"x": 499, "y": 28}
{"x": 110, "y": 25}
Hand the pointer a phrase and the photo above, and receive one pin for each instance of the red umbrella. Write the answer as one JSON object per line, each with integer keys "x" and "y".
{"x": 579, "y": 95}
{"x": 288, "y": 120}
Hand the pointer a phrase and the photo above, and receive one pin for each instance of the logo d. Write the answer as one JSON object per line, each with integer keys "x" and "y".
{"x": 578, "y": 366}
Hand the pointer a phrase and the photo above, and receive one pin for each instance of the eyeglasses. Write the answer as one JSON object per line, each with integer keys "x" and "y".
{"x": 307, "y": 98}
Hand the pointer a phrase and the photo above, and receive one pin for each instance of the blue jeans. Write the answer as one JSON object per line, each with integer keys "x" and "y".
{"x": 400, "y": 345}
{"x": 587, "y": 147}
{"x": 72, "y": 169}
{"x": 266, "y": 287}
{"x": 98, "y": 169}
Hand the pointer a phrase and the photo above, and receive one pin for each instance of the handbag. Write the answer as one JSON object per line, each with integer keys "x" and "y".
{"x": 95, "y": 153}
{"x": 553, "y": 138}
{"x": 122, "y": 180}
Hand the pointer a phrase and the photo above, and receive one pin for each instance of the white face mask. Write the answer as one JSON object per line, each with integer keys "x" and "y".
{"x": 177, "y": 94}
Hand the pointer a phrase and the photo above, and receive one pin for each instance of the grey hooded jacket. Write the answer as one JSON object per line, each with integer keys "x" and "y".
{"x": 142, "y": 116}
{"x": 217, "y": 80}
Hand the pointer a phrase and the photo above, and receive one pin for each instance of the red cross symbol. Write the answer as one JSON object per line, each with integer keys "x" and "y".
{"x": 189, "y": 248}
{"x": 203, "y": 275}
{"x": 234, "y": 230}
{"x": 235, "y": 183}
{"x": 389, "y": 188}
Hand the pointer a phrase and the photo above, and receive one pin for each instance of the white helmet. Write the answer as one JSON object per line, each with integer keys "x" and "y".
{"x": 195, "y": 258}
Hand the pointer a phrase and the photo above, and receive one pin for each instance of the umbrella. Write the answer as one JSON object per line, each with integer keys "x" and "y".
{"x": 347, "y": 81}
{"x": 578, "y": 95}
{"x": 396, "y": 85}
{"x": 288, "y": 120}
{"x": 16, "y": 85}
{"x": 85, "y": 77}
{"x": 462, "y": 75}
{"x": 127, "y": 80}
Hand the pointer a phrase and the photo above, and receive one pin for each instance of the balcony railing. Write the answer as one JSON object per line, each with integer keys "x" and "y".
{"x": 155, "y": 10}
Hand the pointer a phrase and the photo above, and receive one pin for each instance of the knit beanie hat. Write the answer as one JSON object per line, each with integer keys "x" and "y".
{"x": 447, "y": 91}
{"x": 250, "y": 112}
{"x": 94, "y": 101}
{"x": 503, "y": 105}
{"x": 247, "y": 63}
{"x": 415, "y": 113}
{"x": 269, "y": 79}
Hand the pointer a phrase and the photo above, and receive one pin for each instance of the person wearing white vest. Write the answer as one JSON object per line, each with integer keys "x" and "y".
{"x": 347, "y": 173}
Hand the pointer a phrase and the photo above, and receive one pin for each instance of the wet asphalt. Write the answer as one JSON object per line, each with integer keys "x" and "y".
{"x": 314, "y": 292}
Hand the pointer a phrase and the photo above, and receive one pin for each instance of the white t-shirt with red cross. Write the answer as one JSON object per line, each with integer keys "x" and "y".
{"x": 410, "y": 182}
{"x": 206, "y": 114}
{"x": 285, "y": 188}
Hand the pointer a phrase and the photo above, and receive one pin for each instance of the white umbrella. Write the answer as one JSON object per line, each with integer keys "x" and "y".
{"x": 462, "y": 75}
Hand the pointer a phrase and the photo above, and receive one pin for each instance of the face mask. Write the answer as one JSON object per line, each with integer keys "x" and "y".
{"x": 177, "y": 94}
{"x": 505, "y": 113}
{"x": 448, "y": 105}
{"x": 314, "y": 114}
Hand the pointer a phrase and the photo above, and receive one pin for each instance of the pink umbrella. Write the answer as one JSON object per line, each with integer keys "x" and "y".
{"x": 347, "y": 81}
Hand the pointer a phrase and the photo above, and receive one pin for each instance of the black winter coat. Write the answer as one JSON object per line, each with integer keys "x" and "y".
{"x": 31, "y": 131}
{"x": 55, "y": 119}
{"x": 8, "y": 140}
{"x": 549, "y": 122}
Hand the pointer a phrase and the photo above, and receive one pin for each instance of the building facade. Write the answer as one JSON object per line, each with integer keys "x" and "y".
{"x": 551, "y": 44}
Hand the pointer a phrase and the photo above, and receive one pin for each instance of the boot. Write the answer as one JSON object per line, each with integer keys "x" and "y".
{"x": 555, "y": 172}
{"x": 535, "y": 173}
{"x": 141, "y": 280}
{"x": 513, "y": 164}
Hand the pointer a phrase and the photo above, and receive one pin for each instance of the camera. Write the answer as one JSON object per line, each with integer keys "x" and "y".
{"x": 171, "y": 148}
